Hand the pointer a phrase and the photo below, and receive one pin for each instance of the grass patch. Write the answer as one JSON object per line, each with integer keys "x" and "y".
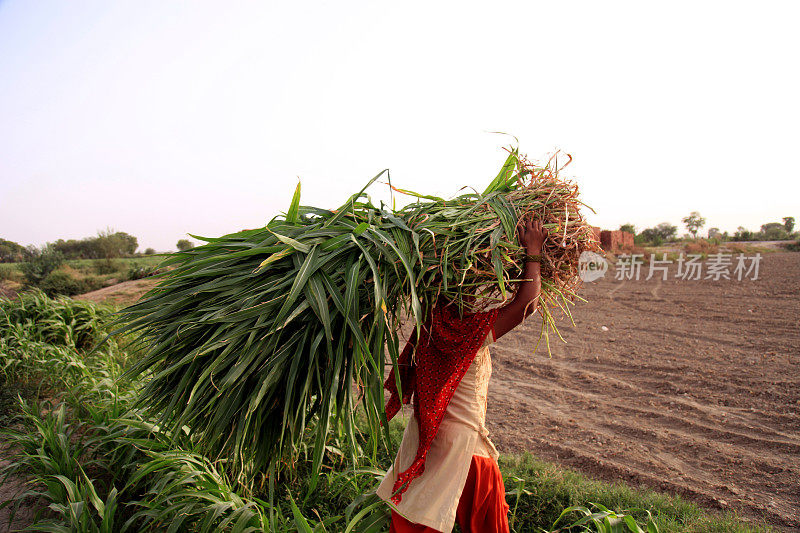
{"x": 90, "y": 266}
{"x": 79, "y": 276}
{"x": 792, "y": 246}
{"x": 11, "y": 272}
{"x": 549, "y": 489}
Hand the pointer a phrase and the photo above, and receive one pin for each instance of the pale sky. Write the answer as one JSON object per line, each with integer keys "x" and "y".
{"x": 162, "y": 118}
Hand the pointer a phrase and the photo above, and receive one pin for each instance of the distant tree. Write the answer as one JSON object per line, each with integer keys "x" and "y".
{"x": 116, "y": 243}
{"x": 714, "y": 233}
{"x": 694, "y": 222}
{"x": 630, "y": 228}
{"x": 87, "y": 248}
{"x": 11, "y": 252}
{"x": 773, "y": 231}
{"x": 41, "y": 262}
{"x": 788, "y": 224}
{"x": 107, "y": 244}
{"x": 743, "y": 234}
{"x": 666, "y": 230}
{"x": 149, "y": 251}
{"x": 127, "y": 243}
{"x": 30, "y": 252}
{"x": 650, "y": 236}
{"x": 184, "y": 244}
{"x": 657, "y": 235}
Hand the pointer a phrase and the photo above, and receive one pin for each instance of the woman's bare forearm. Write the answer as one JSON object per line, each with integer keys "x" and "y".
{"x": 524, "y": 303}
{"x": 531, "y": 235}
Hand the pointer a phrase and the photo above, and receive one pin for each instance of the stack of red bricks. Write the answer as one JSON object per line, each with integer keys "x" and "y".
{"x": 614, "y": 241}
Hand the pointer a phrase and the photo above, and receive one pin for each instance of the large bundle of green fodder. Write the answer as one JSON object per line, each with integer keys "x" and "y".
{"x": 472, "y": 244}
{"x": 254, "y": 338}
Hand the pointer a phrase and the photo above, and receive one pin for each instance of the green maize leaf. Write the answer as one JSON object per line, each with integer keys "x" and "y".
{"x": 297, "y": 245}
{"x": 503, "y": 176}
{"x": 292, "y": 215}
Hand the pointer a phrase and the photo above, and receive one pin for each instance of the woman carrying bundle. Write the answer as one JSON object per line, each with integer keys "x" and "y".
{"x": 446, "y": 467}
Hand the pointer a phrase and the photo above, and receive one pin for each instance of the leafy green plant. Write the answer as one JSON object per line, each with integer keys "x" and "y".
{"x": 186, "y": 490}
{"x": 52, "y": 460}
{"x": 63, "y": 283}
{"x": 11, "y": 272}
{"x": 83, "y": 510}
{"x": 45, "y": 452}
{"x": 517, "y": 491}
{"x": 603, "y": 520}
{"x": 108, "y": 266}
{"x": 137, "y": 271}
{"x": 55, "y": 321}
{"x": 41, "y": 264}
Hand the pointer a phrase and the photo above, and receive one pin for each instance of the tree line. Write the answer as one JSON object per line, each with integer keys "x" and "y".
{"x": 694, "y": 222}
{"x": 108, "y": 244}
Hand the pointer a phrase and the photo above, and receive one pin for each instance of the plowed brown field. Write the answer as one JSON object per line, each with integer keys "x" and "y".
{"x": 693, "y": 389}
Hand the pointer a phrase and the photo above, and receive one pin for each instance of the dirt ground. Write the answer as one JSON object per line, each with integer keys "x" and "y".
{"x": 8, "y": 489}
{"x": 121, "y": 294}
{"x": 693, "y": 389}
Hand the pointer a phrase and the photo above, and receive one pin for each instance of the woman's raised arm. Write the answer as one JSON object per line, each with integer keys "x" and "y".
{"x": 531, "y": 235}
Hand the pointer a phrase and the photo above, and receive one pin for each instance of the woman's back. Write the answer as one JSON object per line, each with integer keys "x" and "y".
{"x": 468, "y": 405}
{"x": 433, "y": 498}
